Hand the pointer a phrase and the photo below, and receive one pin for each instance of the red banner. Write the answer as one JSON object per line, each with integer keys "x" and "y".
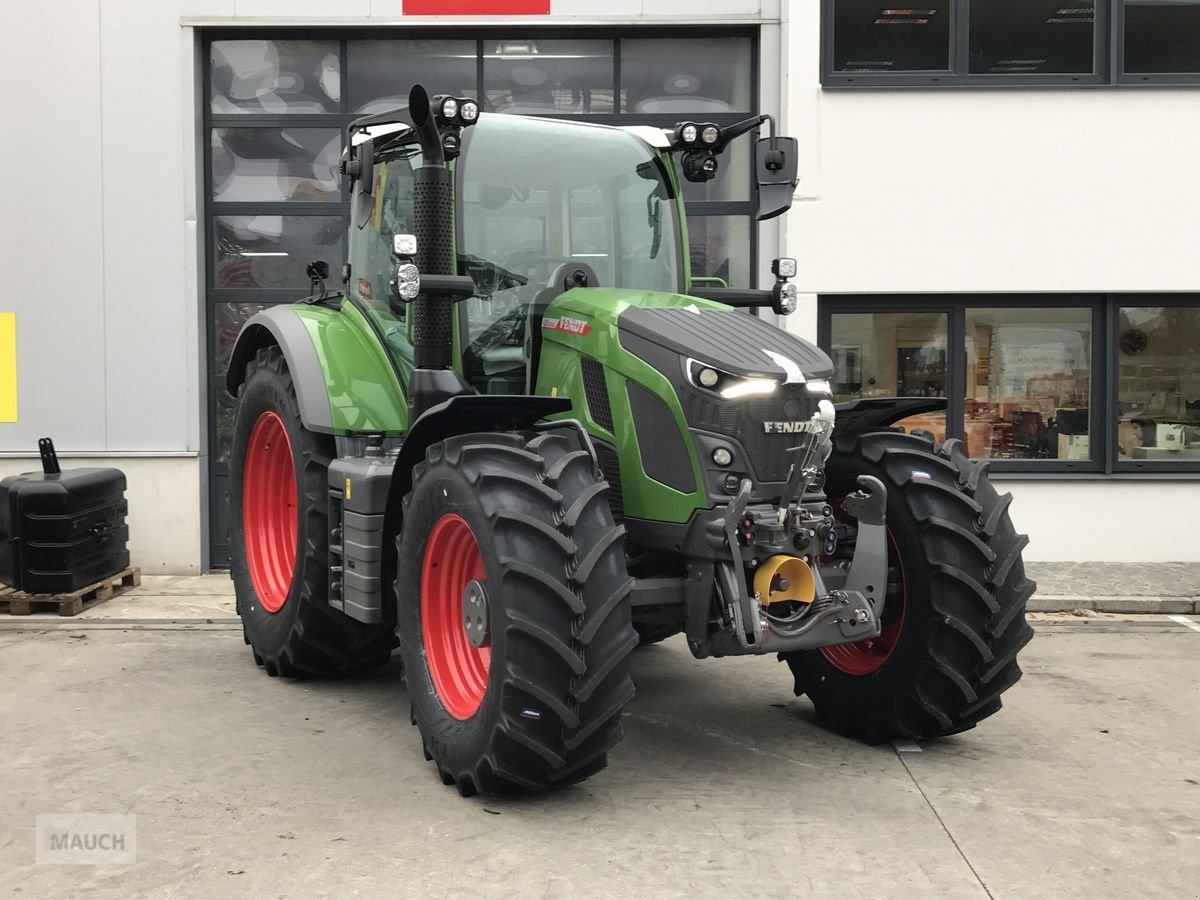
{"x": 476, "y": 7}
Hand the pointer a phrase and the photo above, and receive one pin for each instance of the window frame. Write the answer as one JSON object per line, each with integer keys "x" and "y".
{"x": 1104, "y": 410}
{"x": 1109, "y": 71}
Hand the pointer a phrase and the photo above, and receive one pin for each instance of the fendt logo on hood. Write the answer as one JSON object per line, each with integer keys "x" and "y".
{"x": 566, "y": 324}
{"x": 791, "y": 427}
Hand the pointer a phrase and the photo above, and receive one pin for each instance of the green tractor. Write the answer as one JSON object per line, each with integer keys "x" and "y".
{"x": 524, "y": 440}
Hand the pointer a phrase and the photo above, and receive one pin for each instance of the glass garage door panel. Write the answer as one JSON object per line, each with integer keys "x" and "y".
{"x": 547, "y": 77}
{"x": 276, "y": 164}
{"x": 693, "y": 77}
{"x": 257, "y": 77}
{"x": 380, "y": 73}
{"x": 272, "y": 251}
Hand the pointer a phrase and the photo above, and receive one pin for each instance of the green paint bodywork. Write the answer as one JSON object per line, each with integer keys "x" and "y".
{"x": 364, "y": 392}
{"x": 559, "y": 373}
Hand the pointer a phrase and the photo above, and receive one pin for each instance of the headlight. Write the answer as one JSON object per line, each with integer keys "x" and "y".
{"x": 688, "y": 134}
{"x": 749, "y": 387}
{"x": 469, "y": 111}
{"x": 722, "y": 457}
{"x": 710, "y": 134}
{"x": 708, "y": 378}
{"x": 449, "y": 108}
{"x": 818, "y": 386}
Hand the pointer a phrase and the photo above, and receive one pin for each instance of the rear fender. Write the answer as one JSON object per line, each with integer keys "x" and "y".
{"x": 878, "y": 413}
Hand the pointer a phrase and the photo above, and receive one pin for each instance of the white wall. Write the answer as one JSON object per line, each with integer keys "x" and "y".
{"x": 1021, "y": 190}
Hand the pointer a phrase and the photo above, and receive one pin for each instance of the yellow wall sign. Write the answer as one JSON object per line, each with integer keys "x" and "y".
{"x": 8, "y": 367}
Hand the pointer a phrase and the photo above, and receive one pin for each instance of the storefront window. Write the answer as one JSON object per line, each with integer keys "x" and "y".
{"x": 870, "y": 37}
{"x": 1162, "y": 37}
{"x": 1158, "y": 384}
{"x": 1046, "y": 36}
{"x": 256, "y": 252}
{"x": 891, "y": 355}
{"x": 1028, "y": 383}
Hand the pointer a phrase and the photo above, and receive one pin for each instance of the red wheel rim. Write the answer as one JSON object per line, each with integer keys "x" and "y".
{"x": 459, "y": 669}
{"x": 269, "y": 518}
{"x": 866, "y": 657}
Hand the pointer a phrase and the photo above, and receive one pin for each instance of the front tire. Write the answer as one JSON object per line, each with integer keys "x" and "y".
{"x": 954, "y": 620}
{"x": 279, "y": 505}
{"x": 523, "y": 523}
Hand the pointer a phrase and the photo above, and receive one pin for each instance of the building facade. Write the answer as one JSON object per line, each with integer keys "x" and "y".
{"x": 995, "y": 206}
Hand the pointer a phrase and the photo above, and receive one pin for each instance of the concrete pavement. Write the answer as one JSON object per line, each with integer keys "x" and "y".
{"x": 1086, "y": 785}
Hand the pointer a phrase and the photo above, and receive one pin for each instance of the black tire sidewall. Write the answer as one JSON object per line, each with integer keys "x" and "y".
{"x": 267, "y": 391}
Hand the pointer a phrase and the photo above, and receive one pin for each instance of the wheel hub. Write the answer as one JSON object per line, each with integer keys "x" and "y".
{"x": 475, "y": 613}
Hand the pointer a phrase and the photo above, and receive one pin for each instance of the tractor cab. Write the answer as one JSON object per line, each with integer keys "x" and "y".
{"x": 540, "y": 207}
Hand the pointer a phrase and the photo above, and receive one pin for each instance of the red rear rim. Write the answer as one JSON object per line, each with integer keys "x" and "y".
{"x": 866, "y": 657}
{"x": 269, "y": 518}
{"x": 459, "y": 670}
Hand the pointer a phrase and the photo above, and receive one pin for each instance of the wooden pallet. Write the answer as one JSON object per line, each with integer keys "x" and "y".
{"x": 20, "y": 603}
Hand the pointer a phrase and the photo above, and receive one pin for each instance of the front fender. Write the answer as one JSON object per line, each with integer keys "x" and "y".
{"x": 344, "y": 380}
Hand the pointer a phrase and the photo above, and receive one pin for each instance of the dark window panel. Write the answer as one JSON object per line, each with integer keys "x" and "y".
{"x": 380, "y": 73}
{"x": 686, "y": 77}
{"x": 1162, "y": 37}
{"x": 227, "y": 322}
{"x": 719, "y": 247}
{"x": 872, "y": 37}
{"x": 273, "y": 164}
{"x": 1032, "y": 37}
{"x": 733, "y": 176}
{"x": 271, "y": 251}
{"x": 548, "y": 77}
{"x": 1158, "y": 384}
{"x": 1028, "y": 383}
{"x": 226, "y": 408}
{"x": 274, "y": 77}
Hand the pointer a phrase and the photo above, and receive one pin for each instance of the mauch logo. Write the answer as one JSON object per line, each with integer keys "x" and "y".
{"x": 791, "y": 427}
{"x": 86, "y": 838}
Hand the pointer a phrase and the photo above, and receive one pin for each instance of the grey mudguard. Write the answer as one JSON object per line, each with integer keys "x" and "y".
{"x": 279, "y": 325}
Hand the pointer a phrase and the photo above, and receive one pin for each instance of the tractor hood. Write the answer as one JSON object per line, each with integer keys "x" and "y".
{"x": 732, "y": 341}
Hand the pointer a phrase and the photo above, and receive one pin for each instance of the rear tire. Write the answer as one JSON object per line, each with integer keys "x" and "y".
{"x": 282, "y": 578}
{"x": 950, "y": 650}
{"x": 528, "y": 518}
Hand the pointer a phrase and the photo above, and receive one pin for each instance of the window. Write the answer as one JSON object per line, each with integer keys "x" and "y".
{"x": 1158, "y": 384}
{"x": 1034, "y": 36}
{"x": 1028, "y": 383}
{"x": 891, "y": 355}
{"x": 869, "y": 37}
{"x": 1162, "y": 37}
{"x": 1089, "y": 384}
{"x": 983, "y": 42}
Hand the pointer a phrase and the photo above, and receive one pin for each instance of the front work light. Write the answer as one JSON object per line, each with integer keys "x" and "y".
{"x": 784, "y": 267}
{"x": 468, "y": 110}
{"x": 710, "y": 134}
{"x": 449, "y": 109}
{"x": 404, "y": 244}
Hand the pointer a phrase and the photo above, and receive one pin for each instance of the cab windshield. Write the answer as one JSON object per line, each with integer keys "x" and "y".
{"x": 535, "y": 194}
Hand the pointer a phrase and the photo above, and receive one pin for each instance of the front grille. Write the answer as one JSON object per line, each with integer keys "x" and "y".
{"x": 743, "y": 419}
{"x": 596, "y": 392}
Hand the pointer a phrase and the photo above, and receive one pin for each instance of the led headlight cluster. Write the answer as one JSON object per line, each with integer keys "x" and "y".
{"x": 455, "y": 110}
{"x": 730, "y": 387}
{"x": 408, "y": 281}
{"x": 697, "y": 134}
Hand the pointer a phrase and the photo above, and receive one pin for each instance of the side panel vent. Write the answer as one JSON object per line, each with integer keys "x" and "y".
{"x": 596, "y": 392}
{"x": 610, "y": 467}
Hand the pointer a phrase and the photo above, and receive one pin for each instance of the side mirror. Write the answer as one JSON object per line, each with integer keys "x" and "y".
{"x": 776, "y": 163}
{"x": 362, "y": 169}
